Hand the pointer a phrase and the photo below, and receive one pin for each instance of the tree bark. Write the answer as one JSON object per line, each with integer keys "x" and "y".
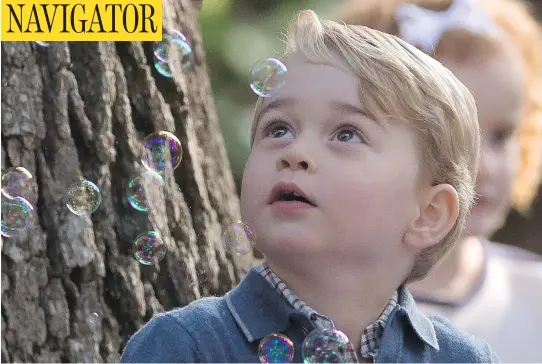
{"x": 71, "y": 288}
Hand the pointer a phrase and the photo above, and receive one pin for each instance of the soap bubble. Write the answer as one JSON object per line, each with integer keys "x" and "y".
{"x": 17, "y": 216}
{"x": 238, "y": 238}
{"x": 137, "y": 186}
{"x": 149, "y": 248}
{"x": 276, "y": 348}
{"x": 267, "y": 76}
{"x": 18, "y": 182}
{"x": 163, "y": 149}
{"x": 173, "y": 45}
{"x": 325, "y": 346}
{"x": 43, "y": 44}
{"x": 83, "y": 198}
{"x": 160, "y": 47}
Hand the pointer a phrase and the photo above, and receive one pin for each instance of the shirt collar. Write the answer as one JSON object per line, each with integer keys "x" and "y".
{"x": 259, "y": 310}
{"x": 370, "y": 336}
{"x": 418, "y": 320}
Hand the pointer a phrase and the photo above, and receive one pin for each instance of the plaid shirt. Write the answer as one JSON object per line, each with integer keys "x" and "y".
{"x": 370, "y": 337}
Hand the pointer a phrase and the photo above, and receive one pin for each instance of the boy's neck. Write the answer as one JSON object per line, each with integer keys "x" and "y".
{"x": 351, "y": 299}
{"x": 456, "y": 275}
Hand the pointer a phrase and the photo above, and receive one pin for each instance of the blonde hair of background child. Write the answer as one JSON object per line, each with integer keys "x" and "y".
{"x": 399, "y": 83}
{"x": 515, "y": 18}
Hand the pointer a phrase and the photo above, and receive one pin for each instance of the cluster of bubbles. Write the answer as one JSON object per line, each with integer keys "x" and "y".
{"x": 172, "y": 48}
{"x": 162, "y": 151}
{"x": 267, "y": 77}
{"x": 320, "y": 346}
{"x": 18, "y": 186}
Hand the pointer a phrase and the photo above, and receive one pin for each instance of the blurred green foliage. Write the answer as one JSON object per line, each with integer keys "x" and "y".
{"x": 236, "y": 34}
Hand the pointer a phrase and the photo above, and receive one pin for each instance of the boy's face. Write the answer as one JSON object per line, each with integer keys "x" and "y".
{"x": 497, "y": 86}
{"x": 360, "y": 176}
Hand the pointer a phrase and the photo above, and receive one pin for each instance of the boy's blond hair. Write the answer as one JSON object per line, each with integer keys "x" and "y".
{"x": 401, "y": 84}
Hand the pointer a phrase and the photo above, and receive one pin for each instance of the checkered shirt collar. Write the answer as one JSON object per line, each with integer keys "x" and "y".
{"x": 370, "y": 337}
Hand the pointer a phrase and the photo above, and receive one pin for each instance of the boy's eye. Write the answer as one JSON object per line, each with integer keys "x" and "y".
{"x": 350, "y": 134}
{"x": 276, "y": 129}
{"x": 345, "y": 135}
{"x": 278, "y": 132}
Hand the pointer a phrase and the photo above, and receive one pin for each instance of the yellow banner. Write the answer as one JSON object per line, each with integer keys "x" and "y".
{"x": 81, "y": 20}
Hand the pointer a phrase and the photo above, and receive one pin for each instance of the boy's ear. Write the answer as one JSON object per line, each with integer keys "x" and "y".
{"x": 439, "y": 209}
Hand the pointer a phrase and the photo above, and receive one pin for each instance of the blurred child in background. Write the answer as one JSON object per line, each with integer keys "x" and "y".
{"x": 494, "y": 47}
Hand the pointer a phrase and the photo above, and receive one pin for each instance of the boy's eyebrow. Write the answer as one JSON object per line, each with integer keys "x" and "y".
{"x": 276, "y": 104}
{"x": 341, "y": 107}
{"x": 345, "y": 108}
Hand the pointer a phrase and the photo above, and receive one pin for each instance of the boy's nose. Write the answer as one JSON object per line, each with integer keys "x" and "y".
{"x": 296, "y": 160}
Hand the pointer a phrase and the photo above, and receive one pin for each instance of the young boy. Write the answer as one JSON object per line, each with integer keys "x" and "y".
{"x": 359, "y": 180}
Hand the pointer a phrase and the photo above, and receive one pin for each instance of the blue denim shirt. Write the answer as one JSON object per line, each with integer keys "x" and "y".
{"x": 229, "y": 329}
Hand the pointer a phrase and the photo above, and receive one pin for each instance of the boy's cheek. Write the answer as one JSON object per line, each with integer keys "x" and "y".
{"x": 375, "y": 202}
{"x": 245, "y": 200}
{"x": 251, "y": 194}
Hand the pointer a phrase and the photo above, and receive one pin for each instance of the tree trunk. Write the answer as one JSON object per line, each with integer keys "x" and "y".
{"x": 71, "y": 288}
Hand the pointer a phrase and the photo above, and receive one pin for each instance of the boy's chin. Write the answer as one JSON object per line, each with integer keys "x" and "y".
{"x": 289, "y": 247}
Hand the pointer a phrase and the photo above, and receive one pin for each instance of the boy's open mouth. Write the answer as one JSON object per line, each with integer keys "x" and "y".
{"x": 288, "y": 192}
